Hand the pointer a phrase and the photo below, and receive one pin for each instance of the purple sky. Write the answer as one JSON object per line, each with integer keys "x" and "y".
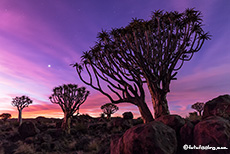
{"x": 39, "y": 39}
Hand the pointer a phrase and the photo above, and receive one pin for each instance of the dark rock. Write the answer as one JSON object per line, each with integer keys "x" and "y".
{"x": 153, "y": 137}
{"x": 194, "y": 122}
{"x": 127, "y": 115}
{"x": 173, "y": 121}
{"x": 213, "y": 132}
{"x": 186, "y": 137}
{"x": 219, "y": 106}
{"x": 27, "y": 129}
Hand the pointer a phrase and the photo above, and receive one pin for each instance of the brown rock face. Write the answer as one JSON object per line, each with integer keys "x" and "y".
{"x": 27, "y": 129}
{"x": 150, "y": 138}
{"x": 173, "y": 121}
{"x": 213, "y": 132}
{"x": 186, "y": 137}
{"x": 219, "y": 106}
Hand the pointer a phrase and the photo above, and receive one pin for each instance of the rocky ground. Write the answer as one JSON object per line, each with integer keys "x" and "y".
{"x": 42, "y": 135}
{"x": 165, "y": 135}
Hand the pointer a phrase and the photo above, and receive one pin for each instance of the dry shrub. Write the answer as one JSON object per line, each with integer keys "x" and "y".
{"x": 93, "y": 146}
{"x": 24, "y": 148}
{"x": 193, "y": 117}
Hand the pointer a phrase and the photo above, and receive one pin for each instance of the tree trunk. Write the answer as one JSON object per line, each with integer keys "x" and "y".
{"x": 160, "y": 104}
{"x": 66, "y": 123}
{"x": 20, "y": 117}
{"x": 108, "y": 116}
{"x": 199, "y": 113}
{"x": 145, "y": 112}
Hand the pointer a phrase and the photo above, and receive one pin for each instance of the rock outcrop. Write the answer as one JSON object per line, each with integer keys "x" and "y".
{"x": 127, "y": 115}
{"x": 153, "y": 137}
{"x": 27, "y": 129}
{"x": 214, "y": 131}
{"x": 219, "y": 106}
{"x": 186, "y": 137}
{"x": 173, "y": 121}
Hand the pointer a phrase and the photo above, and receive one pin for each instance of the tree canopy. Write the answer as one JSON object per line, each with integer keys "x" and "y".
{"x": 21, "y": 102}
{"x": 109, "y": 108}
{"x": 147, "y": 51}
{"x": 69, "y": 97}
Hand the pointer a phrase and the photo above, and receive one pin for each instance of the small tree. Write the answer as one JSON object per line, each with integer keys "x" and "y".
{"x": 199, "y": 106}
{"x": 108, "y": 109}
{"x": 5, "y": 116}
{"x": 21, "y": 103}
{"x": 69, "y": 97}
{"x": 102, "y": 115}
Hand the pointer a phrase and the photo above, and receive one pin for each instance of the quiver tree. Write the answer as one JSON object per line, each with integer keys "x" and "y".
{"x": 69, "y": 97}
{"x": 119, "y": 84}
{"x": 154, "y": 49}
{"x": 5, "y": 116}
{"x": 21, "y": 103}
{"x": 199, "y": 106}
{"x": 108, "y": 109}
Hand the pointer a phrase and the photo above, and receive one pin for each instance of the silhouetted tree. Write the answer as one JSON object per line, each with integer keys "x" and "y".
{"x": 152, "y": 50}
{"x": 5, "y": 116}
{"x": 199, "y": 106}
{"x": 21, "y": 103}
{"x": 125, "y": 85}
{"x": 69, "y": 97}
{"x": 102, "y": 115}
{"x": 108, "y": 109}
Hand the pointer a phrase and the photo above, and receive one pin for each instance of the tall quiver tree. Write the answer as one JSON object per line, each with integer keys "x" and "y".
{"x": 69, "y": 97}
{"x": 156, "y": 48}
{"x": 21, "y": 103}
{"x": 109, "y": 108}
{"x": 123, "y": 85}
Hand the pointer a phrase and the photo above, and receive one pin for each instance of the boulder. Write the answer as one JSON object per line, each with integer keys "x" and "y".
{"x": 27, "y": 129}
{"x": 219, "y": 106}
{"x": 173, "y": 121}
{"x": 214, "y": 131}
{"x": 153, "y": 137}
{"x": 186, "y": 137}
{"x": 127, "y": 115}
{"x": 186, "y": 133}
